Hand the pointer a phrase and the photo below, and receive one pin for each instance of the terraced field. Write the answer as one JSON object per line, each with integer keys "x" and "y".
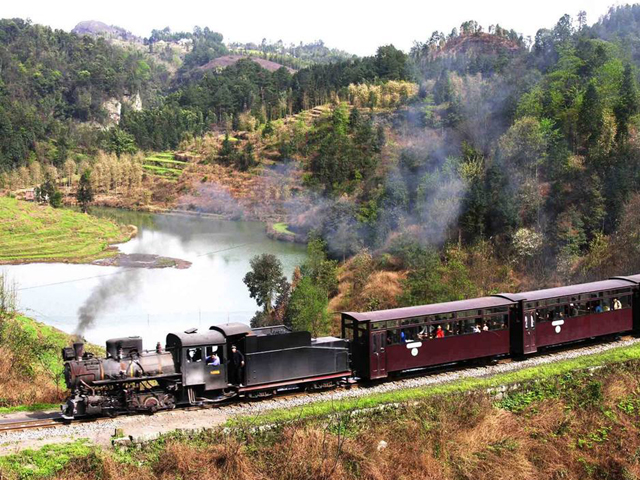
{"x": 33, "y": 233}
{"x": 164, "y": 165}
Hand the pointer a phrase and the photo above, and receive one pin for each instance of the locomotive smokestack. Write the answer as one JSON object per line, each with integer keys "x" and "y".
{"x": 78, "y": 348}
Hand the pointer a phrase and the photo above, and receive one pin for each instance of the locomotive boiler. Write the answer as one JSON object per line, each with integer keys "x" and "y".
{"x": 128, "y": 379}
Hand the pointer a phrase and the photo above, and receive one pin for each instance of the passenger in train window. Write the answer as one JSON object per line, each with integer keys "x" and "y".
{"x": 606, "y": 307}
{"x": 424, "y": 332}
{"x": 390, "y": 337}
{"x": 439, "y": 332}
{"x": 573, "y": 309}
{"x": 617, "y": 305}
{"x": 485, "y": 327}
{"x": 598, "y": 307}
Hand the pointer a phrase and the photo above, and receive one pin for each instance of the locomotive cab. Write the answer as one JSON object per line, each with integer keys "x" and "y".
{"x": 191, "y": 350}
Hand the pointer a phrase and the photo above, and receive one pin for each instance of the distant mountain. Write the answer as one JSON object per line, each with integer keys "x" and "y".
{"x": 95, "y": 28}
{"x": 228, "y": 60}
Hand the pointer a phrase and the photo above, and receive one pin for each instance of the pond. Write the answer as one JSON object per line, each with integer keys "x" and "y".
{"x": 153, "y": 302}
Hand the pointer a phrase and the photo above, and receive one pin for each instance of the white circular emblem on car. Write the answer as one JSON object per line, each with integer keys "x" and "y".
{"x": 558, "y": 329}
{"x": 414, "y": 352}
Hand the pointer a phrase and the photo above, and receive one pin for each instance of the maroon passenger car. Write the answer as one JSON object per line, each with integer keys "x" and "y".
{"x": 400, "y": 339}
{"x": 387, "y": 341}
{"x": 566, "y": 314}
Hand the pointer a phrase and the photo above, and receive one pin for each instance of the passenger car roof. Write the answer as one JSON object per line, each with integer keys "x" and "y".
{"x": 569, "y": 290}
{"x": 434, "y": 309}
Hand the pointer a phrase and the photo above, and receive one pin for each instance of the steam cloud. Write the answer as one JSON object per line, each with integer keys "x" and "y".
{"x": 212, "y": 198}
{"x": 122, "y": 284}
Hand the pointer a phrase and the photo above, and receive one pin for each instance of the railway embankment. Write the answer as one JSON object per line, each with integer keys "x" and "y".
{"x": 31, "y": 369}
{"x": 567, "y": 414}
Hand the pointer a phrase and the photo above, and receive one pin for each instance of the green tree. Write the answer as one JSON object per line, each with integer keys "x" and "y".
{"x": 245, "y": 159}
{"x": 590, "y": 120}
{"x": 228, "y": 151}
{"x": 118, "y": 141}
{"x": 84, "y": 195}
{"x": 391, "y": 63}
{"x": 308, "y": 308}
{"x": 265, "y": 280}
{"x": 48, "y": 192}
{"x": 627, "y": 104}
{"x": 318, "y": 267}
{"x": 443, "y": 90}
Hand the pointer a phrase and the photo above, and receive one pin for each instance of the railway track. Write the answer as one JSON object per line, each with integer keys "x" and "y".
{"x": 19, "y": 425}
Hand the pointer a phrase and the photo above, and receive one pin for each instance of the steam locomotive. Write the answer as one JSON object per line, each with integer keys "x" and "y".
{"x": 374, "y": 345}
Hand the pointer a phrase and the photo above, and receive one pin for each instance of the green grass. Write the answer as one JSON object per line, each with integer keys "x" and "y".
{"x": 282, "y": 228}
{"x": 35, "y": 348}
{"x": 164, "y": 161}
{"x": 36, "y": 407}
{"x": 30, "y": 233}
{"x": 164, "y": 164}
{"x": 44, "y": 462}
{"x": 162, "y": 170}
{"x": 539, "y": 373}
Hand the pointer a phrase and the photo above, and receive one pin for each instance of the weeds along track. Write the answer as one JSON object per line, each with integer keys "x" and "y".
{"x": 28, "y": 428}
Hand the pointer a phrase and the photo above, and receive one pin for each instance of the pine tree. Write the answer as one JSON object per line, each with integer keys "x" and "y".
{"x": 627, "y": 104}
{"x": 590, "y": 119}
{"x": 227, "y": 152}
{"x": 85, "y": 191}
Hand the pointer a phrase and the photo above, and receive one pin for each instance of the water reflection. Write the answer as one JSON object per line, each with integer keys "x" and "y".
{"x": 209, "y": 292}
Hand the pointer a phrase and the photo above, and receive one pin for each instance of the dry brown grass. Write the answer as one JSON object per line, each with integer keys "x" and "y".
{"x": 226, "y": 460}
{"x": 20, "y": 389}
{"x": 449, "y": 437}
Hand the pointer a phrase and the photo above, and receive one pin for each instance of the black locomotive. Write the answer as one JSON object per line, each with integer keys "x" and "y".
{"x": 374, "y": 346}
{"x": 130, "y": 379}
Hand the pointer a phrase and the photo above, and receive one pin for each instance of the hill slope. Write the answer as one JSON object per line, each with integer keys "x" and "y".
{"x": 29, "y": 232}
{"x": 31, "y": 367}
{"x": 227, "y": 60}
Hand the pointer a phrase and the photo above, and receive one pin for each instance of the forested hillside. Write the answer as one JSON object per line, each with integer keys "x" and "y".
{"x": 479, "y": 161}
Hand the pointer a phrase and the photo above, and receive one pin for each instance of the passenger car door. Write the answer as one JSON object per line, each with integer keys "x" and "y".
{"x": 378, "y": 354}
{"x": 529, "y": 331}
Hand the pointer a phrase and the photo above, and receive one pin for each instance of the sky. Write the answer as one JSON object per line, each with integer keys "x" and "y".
{"x": 353, "y": 25}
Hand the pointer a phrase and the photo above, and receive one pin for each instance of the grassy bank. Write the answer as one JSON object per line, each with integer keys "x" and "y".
{"x": 31, "y": 369}
{"x": 282, "y": 228}
{"x": 573, "y": 425}
{"x": 540, "y": 374}
{"x": 34, "y": 233}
